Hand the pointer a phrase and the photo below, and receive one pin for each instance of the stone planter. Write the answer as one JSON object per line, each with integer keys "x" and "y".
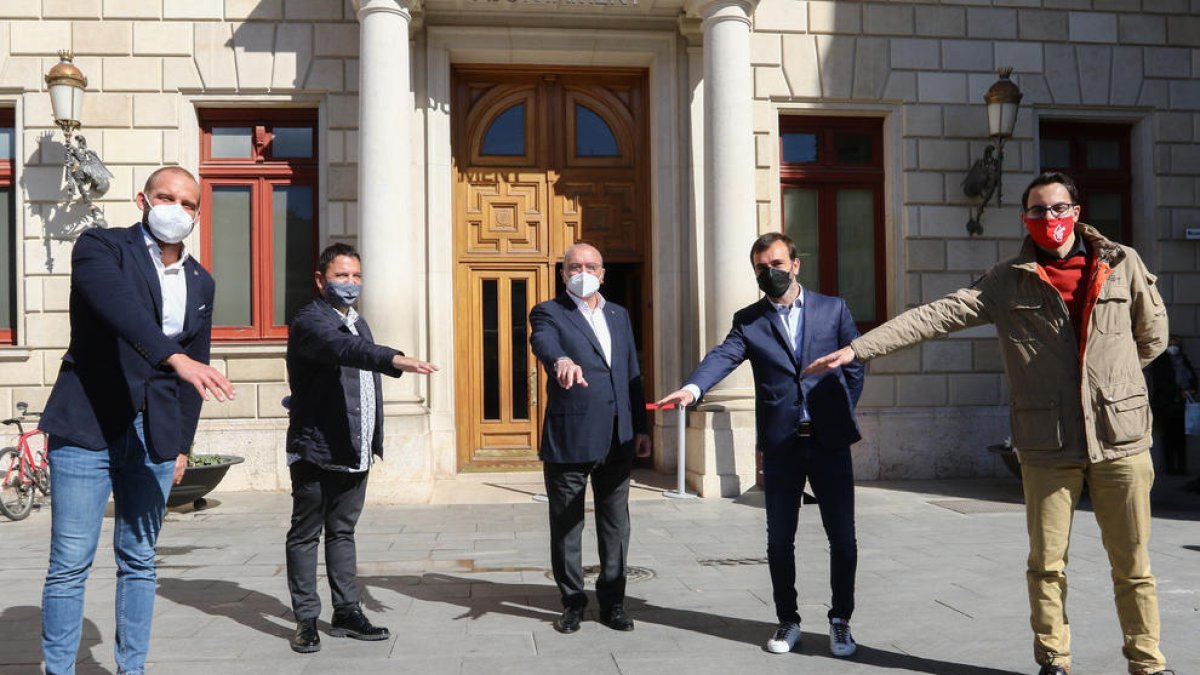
{"x": 199, "y": 480}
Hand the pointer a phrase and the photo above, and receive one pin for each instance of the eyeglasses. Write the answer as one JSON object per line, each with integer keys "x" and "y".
{"x": 1057, "y": 210}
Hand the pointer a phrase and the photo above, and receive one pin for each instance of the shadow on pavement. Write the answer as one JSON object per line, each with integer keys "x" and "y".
{"x": 252, "y": 609}
{"x": 540, "y": 602}
{"x": 21, "y": 632}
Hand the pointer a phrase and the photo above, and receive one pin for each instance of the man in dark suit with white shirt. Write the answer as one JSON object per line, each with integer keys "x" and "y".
{"x": 124, "y": 410}
{"x": 595, "y": 423}
{"x": 805, "y": 426}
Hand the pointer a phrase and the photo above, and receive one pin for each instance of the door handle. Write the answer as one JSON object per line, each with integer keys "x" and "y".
{"x": 533, "y": 388}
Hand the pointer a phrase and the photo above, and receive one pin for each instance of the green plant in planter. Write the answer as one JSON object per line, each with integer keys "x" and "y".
{"x": 205, "y": 460}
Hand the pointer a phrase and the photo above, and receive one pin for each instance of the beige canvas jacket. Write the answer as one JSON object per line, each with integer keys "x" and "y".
{"x": 1068, "y": 401}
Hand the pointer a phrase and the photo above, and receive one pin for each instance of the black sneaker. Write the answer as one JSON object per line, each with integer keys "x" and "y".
{"x": 354, "y": 624}
{"x": 306, "y": 640}
{"x": 1049, "y": 669}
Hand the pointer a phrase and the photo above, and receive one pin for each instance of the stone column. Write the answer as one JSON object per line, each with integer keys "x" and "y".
{"x": 720, "y": 441}
{"x": 729, "y": 209}
{"x": 389, "y": 233}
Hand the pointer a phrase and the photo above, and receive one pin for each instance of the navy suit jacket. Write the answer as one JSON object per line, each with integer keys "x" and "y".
{"x": 114, "y": 367}
{"x": 579, "y": 421}
{"x": 780, "y": 386}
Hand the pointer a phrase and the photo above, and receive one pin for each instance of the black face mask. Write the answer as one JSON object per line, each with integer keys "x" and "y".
{"x": 774, "y": 282}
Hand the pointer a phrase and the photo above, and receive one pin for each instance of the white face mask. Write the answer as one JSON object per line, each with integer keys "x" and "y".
{"x": 583, "y": 285}
{"x": 169, "y": 223}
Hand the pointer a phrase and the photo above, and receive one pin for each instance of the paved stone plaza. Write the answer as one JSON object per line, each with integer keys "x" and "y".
{"x": 462, "y": 584}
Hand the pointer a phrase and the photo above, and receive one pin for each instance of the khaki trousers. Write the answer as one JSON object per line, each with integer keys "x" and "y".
{"x": 1120, "y": 494}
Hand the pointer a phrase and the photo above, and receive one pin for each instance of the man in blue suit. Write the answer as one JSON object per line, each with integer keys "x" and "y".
{"x": 124, "y": 409}
{"x": 595, "y": 423}
{"x": 805, "y": 426}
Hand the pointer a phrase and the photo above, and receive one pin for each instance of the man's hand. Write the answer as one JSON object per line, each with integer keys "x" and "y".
{"x": 411, "y": 365}
{"x": 180, "y": 466}
{"x": 679, "y": 397}
{"x": 830, "y": 361}
{"x": 641, "y": 445}
{"x": 568, "y": 374}
{"x": 202, "y": 376}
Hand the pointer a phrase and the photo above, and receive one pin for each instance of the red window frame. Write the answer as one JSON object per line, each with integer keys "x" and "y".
{"x": 261, "y": 172}
{"x": 826, "y": 175}
{"x": 1091, "y": 181}
{"x": 8, "y": 120}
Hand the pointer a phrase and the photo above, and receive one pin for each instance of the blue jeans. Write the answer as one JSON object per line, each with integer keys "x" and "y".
{"x": 830, "y": 472}
{"x": 83, "y": 480}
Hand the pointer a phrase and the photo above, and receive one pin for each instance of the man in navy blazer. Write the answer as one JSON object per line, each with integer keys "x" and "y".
{"x": 805, "y": 426}
{"x": 124, "y": 409}
{"x": 595, "y": 423}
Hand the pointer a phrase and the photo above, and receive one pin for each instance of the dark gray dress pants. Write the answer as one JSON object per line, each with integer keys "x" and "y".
{"x": 566, "y": 487}
{"x": 329, "y": 500}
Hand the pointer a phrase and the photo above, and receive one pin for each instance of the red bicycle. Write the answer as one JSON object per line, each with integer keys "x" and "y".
{"x": 24, "y": 470}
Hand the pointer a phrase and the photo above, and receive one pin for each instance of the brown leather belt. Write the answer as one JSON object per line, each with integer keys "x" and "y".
{"x": 804, "y": 430}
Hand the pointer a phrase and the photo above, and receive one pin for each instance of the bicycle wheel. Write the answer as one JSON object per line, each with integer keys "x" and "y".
{"x": 41, "y": 478}
{"x": 16, "y": 498}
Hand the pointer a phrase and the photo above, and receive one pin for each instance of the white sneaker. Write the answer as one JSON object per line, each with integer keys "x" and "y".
{"x": 841, "y": 642}
{"x": 785, "y": 638}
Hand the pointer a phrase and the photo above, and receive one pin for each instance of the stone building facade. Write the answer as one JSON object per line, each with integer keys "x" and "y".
{"x": 718, "y": 120}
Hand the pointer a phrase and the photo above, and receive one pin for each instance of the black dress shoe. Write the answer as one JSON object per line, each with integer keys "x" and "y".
{"x": 615, "y": 618}
{"x": 569, "y": 621}
{"x": 307, "y": 639}
{"x": 355, "y": 625}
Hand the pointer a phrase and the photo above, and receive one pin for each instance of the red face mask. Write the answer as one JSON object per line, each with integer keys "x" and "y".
{"x": 1049, "y": 233}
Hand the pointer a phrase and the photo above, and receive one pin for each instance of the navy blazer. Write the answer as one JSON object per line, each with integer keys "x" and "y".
{"x": 579, "y": 421}
{"x": 323, "y": 361}
{"x": 758, "y": 334}
{"x": 114, "y": 367}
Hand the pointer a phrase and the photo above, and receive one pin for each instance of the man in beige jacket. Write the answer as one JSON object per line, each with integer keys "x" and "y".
{"x": 1078, "y": 316}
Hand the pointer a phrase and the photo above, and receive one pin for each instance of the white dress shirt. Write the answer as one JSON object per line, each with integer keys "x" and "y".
{"x": 173, "y": 283}
{"x": 595, "y": 319}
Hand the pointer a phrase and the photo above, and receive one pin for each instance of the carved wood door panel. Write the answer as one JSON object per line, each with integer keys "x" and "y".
{"x": 543, "y": 159}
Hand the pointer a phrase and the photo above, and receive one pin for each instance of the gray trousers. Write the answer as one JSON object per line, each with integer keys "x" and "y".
{"x": 329, "y": 500}
{"x": 566, "y": 487}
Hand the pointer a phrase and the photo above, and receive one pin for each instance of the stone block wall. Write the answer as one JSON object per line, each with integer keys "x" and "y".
{"x": 924, "y": 66}
{"x": 150, "y": 65}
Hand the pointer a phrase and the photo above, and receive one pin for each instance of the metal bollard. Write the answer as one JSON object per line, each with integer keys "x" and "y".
{"x": 680, "y": 492}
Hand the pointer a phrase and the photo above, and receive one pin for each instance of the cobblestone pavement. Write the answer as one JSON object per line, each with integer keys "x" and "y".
{"x": 464, "y": 588}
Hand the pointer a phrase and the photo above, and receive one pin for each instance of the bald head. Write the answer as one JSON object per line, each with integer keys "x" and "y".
{"x": 575, "y": 252}
{"x": 164, "y": 172}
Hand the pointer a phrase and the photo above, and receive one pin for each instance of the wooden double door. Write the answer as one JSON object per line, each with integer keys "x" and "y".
{"x": 543, "y": 158}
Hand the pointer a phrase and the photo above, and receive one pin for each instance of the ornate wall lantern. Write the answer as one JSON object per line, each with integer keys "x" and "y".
{"x": 86, "y": 174}
{"x": 985, "y": 176}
